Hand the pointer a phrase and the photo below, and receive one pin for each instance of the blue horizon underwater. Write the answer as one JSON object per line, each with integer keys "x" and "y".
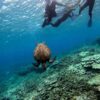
{"x": 21, "y": 31}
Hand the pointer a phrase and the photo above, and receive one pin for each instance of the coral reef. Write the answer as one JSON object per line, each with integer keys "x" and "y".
{"x": 73, "y": 77}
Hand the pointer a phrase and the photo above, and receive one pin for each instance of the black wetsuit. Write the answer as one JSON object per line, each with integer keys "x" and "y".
{"x": 49, "y": 13}
{"x": 62, "y": 19}
{"x": 90, "y": 4}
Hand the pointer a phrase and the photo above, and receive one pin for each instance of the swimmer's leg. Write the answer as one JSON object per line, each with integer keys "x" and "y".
{"x": 83, "y": 7}
{"x": 46, "y": 21}
{"x": 62, "y": 19}
{"x": 91, "y": 5}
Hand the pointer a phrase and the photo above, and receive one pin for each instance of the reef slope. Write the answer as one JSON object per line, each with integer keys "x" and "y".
{"x": 75, "y": 76}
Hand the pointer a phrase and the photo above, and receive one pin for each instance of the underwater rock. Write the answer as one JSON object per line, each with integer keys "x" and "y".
{"x": 22, "y": 90}
{"x": 84, "y": 96}
{"x": 91, "y": 58}
{"x": 29, "y": 86}
{"x": 95, "y": 80}
{"x": 95, "y": 83}
{"x": 51, "y": 79}
{"x": 65, "y": 80}
{"x": 83, "y": 54}
{"x": 76, "y": 68}
{"x": 5, "y": 98}
{"x": 97, "y": 89}
{"x": 91, "y": 63}
{"x": 96, "y": 66}
{"x": 3, "y": 89}
{"x": 65, "y": 85}
{"x": 80, "y": 98}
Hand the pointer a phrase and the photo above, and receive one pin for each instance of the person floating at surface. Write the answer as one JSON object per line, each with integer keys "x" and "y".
{"x": 50, "y": 11}
{"x": 42, "y": 55}
{"x": 69, "y": 8}
{"x": 90, "y": 4}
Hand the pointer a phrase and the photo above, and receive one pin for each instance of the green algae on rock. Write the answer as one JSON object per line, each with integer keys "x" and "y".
{"x": 96, "y": 66}
{"x": 95, "y": 80}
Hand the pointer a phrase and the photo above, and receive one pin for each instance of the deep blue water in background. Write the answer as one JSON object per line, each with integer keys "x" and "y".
{"x": 20, "y": 31}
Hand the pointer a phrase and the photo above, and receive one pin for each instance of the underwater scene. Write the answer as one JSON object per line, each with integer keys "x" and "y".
{"x": 49, "y": 49}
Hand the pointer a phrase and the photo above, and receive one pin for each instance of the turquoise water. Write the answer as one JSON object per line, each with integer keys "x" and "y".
{"x": 20, "y": 31}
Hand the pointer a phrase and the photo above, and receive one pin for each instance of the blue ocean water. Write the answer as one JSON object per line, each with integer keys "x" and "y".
{"x": 20, "y": 31}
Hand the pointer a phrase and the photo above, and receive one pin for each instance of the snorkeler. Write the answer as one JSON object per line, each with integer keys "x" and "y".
{"x": 42, "y": 55}
{"x": 90, "y": 4}
{"x": 69, "y": 8}
{"x": 50, "y": 11}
